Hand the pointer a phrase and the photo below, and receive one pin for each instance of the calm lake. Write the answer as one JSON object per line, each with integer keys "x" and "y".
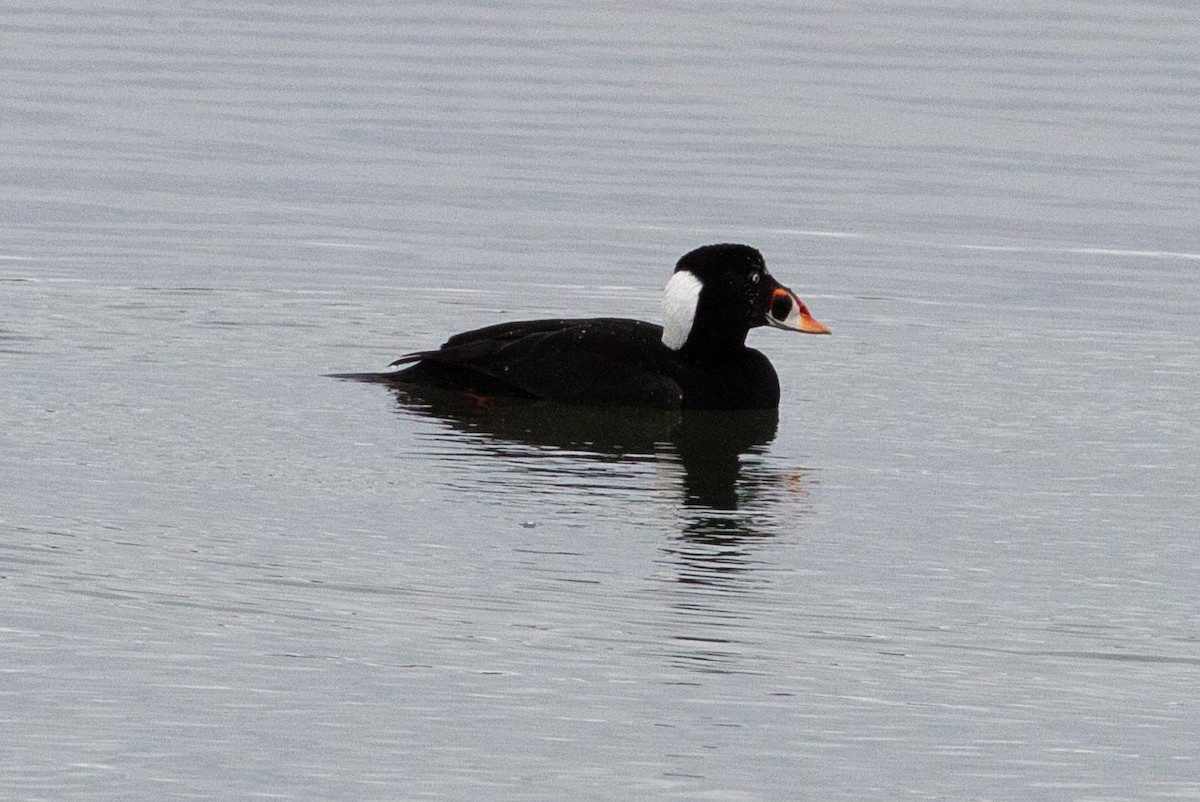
{"x": 961, "y": 563}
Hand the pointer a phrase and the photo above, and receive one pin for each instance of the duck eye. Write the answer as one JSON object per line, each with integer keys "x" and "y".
{"x": 754, "y": 277}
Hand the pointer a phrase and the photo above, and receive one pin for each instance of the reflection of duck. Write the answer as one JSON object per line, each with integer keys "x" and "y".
{"x": 711, "y": 446}
{"x": 697, "y": 359}
{"x": 708, "y": 446}
{"x": 733, "y": 499}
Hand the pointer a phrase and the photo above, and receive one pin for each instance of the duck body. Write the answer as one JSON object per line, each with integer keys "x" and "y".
{"x": 595, "y": 362}
{"x": 697, "y": 359}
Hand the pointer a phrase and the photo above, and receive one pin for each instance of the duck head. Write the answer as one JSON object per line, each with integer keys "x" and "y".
{"x": 719, "y": 292}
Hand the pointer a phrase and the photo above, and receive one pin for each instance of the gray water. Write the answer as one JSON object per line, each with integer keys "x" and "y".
{"x": 962, "y": 564}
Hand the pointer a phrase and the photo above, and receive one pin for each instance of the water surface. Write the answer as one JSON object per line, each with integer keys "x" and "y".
{"x": 959, "y": 564}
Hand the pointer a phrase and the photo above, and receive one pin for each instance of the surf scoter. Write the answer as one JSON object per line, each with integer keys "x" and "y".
{"x": 697, "y": 359}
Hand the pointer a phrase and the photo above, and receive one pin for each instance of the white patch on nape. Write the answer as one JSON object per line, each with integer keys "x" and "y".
{"x": 679, "y": 308}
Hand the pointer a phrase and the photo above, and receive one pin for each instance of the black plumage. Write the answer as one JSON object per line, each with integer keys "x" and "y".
{"x": 700, "y": 361}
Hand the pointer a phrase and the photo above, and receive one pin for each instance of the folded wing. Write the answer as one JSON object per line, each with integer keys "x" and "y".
{"x": 599, "y": 361}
